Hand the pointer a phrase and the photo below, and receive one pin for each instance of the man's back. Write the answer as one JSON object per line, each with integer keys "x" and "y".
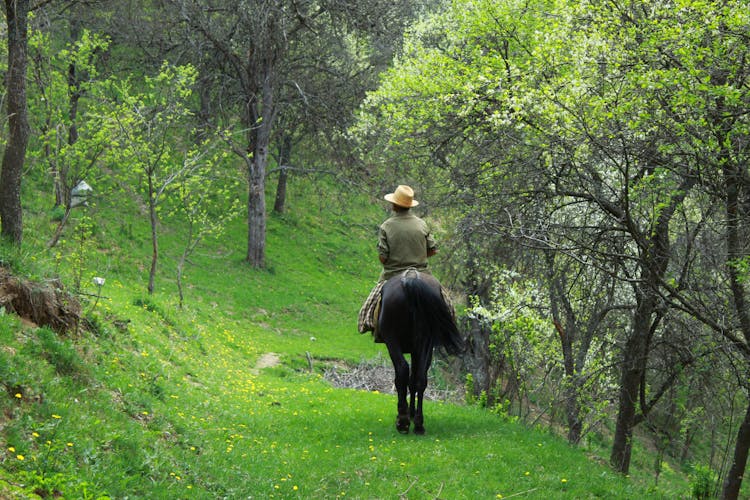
{"x": 404, "y": 242}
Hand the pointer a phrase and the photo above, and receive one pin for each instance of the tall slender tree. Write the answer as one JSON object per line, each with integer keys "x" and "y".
{"x": 252, "y": 43}
{"x": 11, "y": 212}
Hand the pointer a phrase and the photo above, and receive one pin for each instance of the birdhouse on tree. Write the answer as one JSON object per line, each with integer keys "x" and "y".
{"x": 79, "y": 194}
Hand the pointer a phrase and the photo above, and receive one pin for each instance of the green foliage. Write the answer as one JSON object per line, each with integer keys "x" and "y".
{"x": 147, "y": 118}
{"x": 82, "y": 248}
{"x": 470, "y": 398}
{"x": 503, "y": 410}
{"x": 12, "y": 374}
{"x": 57, "y": 213}
{"x": 69, "y": 143}
{"x": 149, "y": 305}
{"x": 703, "y": 482}
{"x": 742, "y": 267}
{"x": 180, "y": 182}
{"x": 14, "y": 257}
{"x": 95, "y": 324}
{"x": 43, "y": 485}
{"x": 520, "y": 341}
{"x": 205, "y": 199}
{"x": 60, "y": 353}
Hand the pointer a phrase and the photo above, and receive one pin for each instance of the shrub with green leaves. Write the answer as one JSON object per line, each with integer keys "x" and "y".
{"x": 703, "y": 482}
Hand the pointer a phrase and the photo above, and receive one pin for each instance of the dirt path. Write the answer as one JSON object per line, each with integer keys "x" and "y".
{"x": 267, "y": 360}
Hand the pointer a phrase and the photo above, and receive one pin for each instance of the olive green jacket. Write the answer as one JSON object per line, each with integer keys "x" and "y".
{"x": 403, "y": 242}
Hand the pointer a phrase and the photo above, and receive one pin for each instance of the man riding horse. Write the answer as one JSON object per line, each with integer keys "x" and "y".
{"x": 407, "y": 310}
{"x": 404, "y": 242}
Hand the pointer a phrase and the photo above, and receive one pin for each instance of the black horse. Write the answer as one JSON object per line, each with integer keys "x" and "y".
{"x": 414, "y": 319}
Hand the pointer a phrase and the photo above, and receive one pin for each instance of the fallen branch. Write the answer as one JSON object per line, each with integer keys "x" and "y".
{"x": 521, "y": 493}
{"x": 403, "y": 495}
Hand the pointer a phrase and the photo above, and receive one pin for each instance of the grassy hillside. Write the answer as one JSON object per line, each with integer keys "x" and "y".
{"x": 157, "y": 401}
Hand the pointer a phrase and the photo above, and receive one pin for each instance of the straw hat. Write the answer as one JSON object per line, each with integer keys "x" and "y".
{"x": 403, "y": 197}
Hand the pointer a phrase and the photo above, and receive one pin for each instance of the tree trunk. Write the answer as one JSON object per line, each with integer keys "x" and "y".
{"x": 256, "y": 218}
{"x": 154, "y": 237}
{"x": 733, "y": 481}
{"x": 278, "y": 205}
{"x": 181, "y": 263}
{"x": 655, "y": 256}
{"x": 284, "y": 158}
{"x": 11, "y": 213}
{"x": 478, "y": 359}
{"x": 256, "y": 200}
{"x": 572, "y": 408}
{"x": 733, "y": 185}
{"x": 58, "y": 231}
{"x": 205, "y": 112}
{"x": 74, "y": 83}
{"x": 633, "y": 367}
{"x": 63, "y": 184}
{"x": 568, "y": 332}
{"x": 573, "y": 413}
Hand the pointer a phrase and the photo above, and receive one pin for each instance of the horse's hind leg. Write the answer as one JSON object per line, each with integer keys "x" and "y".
{"x": 417, "y": 386}
{"x": 401, "y": 369}
{"x": 417, "y": 416}
{"x": 413, "y": 385}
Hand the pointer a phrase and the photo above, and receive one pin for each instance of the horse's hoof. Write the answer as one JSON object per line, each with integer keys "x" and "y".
{"x": 402, "y": 426}
{"x": 419, "y": 431}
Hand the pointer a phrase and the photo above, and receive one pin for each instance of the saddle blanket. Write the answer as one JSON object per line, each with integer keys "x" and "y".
{"x": 367, "y": 315}
{"x": 370, "y": 310}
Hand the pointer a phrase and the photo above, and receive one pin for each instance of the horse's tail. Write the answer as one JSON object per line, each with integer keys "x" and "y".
{"x": 432, "y": 317}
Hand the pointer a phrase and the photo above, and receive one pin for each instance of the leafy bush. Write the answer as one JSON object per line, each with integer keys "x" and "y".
{"x": 702, "y": 482}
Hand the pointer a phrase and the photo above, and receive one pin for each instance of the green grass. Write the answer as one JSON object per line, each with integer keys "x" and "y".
{"x": 162, "y": 402}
